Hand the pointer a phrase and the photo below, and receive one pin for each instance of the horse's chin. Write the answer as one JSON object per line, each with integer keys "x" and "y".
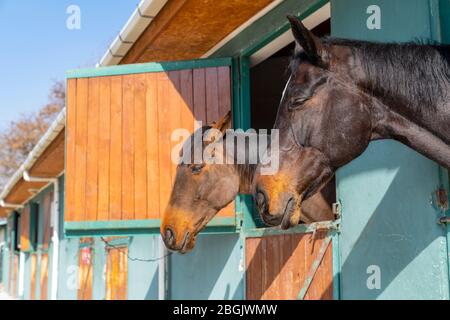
{"x": 292, "y": 214}
{"x": 189, "y": 245}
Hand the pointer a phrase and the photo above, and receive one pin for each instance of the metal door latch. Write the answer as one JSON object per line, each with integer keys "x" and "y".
{"x": 336, "y": 208}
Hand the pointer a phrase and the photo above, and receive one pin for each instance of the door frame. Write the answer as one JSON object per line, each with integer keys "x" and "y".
{"x": 256, "y": 52}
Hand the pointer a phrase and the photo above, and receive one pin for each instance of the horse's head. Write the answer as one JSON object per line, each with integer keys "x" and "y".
{"x": 199, "y": 191}
{"x": 324, "y": 122}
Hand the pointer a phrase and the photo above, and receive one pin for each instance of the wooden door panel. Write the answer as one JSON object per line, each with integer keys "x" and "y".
{"x": 277, "y": 267}
{"x": 119, "y": 147}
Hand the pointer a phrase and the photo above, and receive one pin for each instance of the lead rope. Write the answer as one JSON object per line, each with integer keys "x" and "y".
{"x": 315, "y": 266}
{"x": 118, "y": 247}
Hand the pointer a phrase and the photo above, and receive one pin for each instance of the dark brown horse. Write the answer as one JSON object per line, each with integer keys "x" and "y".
{"x": 343, "y": 94}
{"x": 201, "y": 190}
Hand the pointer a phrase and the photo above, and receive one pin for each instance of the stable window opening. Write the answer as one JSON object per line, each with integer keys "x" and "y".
{"x": 267, "y": 82}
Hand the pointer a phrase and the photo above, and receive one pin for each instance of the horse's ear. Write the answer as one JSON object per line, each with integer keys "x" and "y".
{"x": 311, "y": 44}
{"x": 223, "y": 124}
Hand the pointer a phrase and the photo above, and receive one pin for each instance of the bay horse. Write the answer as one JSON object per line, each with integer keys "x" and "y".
{"x": 341, "y": 95}
{"x": 201, "y": 190}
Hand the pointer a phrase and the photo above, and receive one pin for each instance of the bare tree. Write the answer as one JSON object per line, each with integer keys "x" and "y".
{"x": 20, "y": 137}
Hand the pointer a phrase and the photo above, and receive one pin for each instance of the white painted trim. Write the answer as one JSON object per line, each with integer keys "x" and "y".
{"x": 53, "y": 131}
{"x": 138, "y": 22}
{"x": 55, "y": 240}
{"x": 286, "y": 38}
{"x": 162, "y": 271}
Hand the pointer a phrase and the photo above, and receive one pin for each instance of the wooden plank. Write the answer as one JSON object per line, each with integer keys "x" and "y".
{"x": 85, "y": 273}
{"x": 116, "y": 274}
{"x": 285, "y": 262}
{"x": 25, "y": 241}
{"x": 14, "y": 275}
{"x": 70, "y": 149}
{"x": 44, "y": 276}
{"x": 326, "y": 270}
{"x": 276, "y": 267}
{"x": 80, "y": 150}
{"x": 265, "y": 269}
{"x": 33, "y": 276}
{"x": 20, "y": 193}
{"x": 254, "y": 258}
{"x": 203, "y": 25}
{"x": 47, "y": 214}
{"x": 312, "y": 246}
{"x": 104, "y": 149}
{"x": 322, "y": 284}
{"x": 224, "y": 82}
{"x": 140, "y": 155}
{"x": 199, "y": 79}
{"x": 164, "y": 114}
{"x": 92, "y": 151}
{"x": 115, "y": 188}
{"x": 187, "y": 94}
{"x": 152, "y": 127}
{"x": 287, "y": 266}
{"x": 298, "y": 252}
{"x": 212, "y": 95}
{"x": 176, "y": 104}
{"x": 128, "y": 148}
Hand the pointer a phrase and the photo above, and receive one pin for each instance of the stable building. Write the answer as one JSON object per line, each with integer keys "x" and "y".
{"x": 83, "y": 211}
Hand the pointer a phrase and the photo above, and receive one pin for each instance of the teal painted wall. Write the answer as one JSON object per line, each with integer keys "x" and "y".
{"x": 50, "y": 270}
{"x": 213, "y": 270}
{"x": 5, "y": 267}
{"x": 387, "y": 219}
{"x": 68, "y": 270}
{"x": 98, "y": 280}
{"x": 27, "y": 278}
{"x": 143, "y": 275}
{"x": 68, "y": 256}
{"x": 444, "y": 6}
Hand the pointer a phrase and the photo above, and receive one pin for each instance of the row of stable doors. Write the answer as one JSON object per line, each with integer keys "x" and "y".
{"x": 276, "y": 268}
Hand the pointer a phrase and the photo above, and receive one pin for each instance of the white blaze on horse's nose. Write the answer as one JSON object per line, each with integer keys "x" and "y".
{"x": 285, "y": 88}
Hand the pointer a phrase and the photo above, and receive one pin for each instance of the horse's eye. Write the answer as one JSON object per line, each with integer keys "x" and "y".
{"x": 196, "y": 169}
{"x": 297, "y": 103}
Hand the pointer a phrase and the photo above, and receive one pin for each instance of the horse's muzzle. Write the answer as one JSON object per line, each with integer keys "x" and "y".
{"x": 170, "y": 240}
{"x": 273, "y": 220}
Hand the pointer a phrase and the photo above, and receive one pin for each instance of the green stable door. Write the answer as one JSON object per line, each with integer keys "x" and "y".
{"x": 391, "y": 245}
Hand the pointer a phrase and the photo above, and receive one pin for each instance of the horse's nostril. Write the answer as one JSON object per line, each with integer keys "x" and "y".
{"x": 169, "y": 237}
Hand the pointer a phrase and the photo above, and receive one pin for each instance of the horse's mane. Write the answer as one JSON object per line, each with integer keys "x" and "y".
{"x": 418, "y": 74}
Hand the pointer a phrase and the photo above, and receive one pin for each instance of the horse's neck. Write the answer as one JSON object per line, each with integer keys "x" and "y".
{"x": 392, "y": 125}
{"x": 246, "y": 170}
{"x": 419, "y": 94}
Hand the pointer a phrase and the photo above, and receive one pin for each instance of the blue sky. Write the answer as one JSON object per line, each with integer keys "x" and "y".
{"x": 36, "y": 46}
